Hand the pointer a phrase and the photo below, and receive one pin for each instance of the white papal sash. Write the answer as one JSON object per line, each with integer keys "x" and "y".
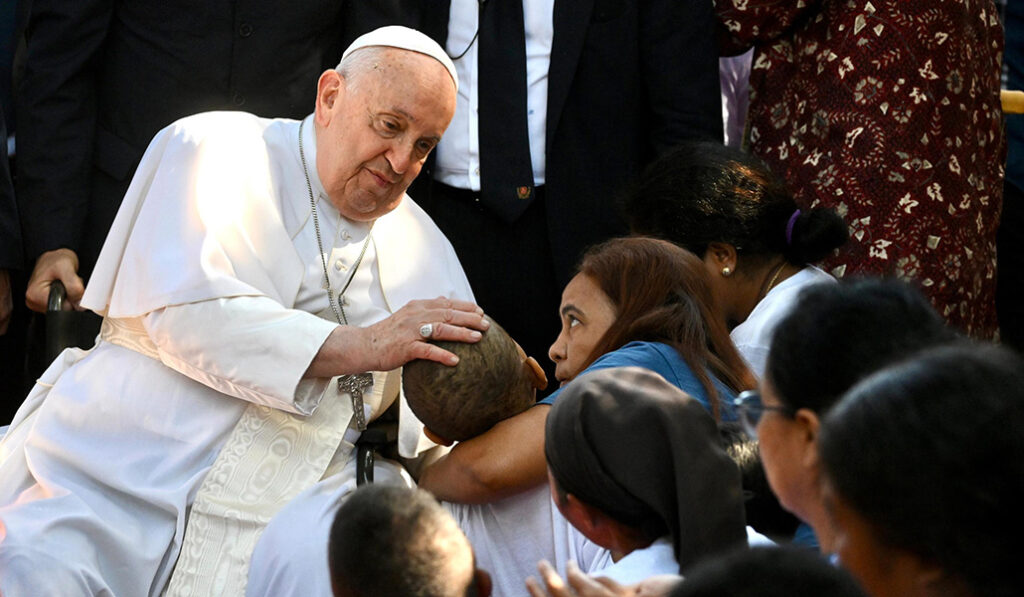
{"x": 270, "y": 457}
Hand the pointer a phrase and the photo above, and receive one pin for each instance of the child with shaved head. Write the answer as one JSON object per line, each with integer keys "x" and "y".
{"x": 493, "y": 381}
{"x": 417, "y": 549}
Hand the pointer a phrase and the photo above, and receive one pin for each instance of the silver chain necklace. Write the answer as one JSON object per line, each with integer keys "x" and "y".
{"x": 354, "y": 384}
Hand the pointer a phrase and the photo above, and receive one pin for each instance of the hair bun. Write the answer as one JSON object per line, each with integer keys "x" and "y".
{"x": 815, "y": 234}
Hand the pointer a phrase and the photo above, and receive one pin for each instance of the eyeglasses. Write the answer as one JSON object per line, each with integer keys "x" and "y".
{"x": 750, "y": 408}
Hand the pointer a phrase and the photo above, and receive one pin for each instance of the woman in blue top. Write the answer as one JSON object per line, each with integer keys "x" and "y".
{"x": 646, "y": 303}
{"x": 634, "y": 301}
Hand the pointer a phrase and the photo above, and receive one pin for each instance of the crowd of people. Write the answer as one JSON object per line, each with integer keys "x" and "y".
{"x": 334, "y": 256}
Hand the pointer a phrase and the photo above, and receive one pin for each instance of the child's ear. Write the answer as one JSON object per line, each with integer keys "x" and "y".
{"x": 437, "y": 439}
{"x": 537, "y": 376}
{"x": 484, "y": 586}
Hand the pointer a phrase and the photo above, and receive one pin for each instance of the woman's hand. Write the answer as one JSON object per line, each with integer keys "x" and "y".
{"x": 582, "y": 585}
{"x": 504, "y": 460}
{"x": 578, "y": 583}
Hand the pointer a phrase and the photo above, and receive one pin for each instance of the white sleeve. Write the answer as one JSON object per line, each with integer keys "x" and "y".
{"x": 249, "y": 347}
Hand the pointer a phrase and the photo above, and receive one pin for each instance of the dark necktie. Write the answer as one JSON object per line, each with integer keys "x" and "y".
{"x": 506, "y": 173}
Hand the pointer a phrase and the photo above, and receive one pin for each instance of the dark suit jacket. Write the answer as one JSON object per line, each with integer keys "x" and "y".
{"x": 10, "y": 233}
{"x": 103, "y": 76}
{"x": 628, "y": 79}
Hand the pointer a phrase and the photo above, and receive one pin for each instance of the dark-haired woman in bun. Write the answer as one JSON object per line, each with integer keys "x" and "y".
{"x": 728, "y": 208}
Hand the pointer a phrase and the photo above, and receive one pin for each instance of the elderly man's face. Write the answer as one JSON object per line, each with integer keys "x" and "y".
{"x": 376, "y": 128}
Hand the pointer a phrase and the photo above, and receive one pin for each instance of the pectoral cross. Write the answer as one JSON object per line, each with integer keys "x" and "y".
{"x": 354, "y": 386}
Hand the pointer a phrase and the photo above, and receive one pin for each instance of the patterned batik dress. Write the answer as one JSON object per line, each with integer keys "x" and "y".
{"x": 887, "y": 110}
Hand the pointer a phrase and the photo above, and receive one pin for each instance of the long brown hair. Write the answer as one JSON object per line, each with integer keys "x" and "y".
{"x": 662, "y": 294}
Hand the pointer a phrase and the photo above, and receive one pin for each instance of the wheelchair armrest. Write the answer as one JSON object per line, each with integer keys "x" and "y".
{"x": 377, "y": 436}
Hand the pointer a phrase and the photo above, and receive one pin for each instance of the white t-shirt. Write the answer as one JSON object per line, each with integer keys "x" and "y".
{"x": 511, "y": 535}
{"x": 458, "y": 153}
{"x": 657, "y": 558}
{"x": 754, "y": 336}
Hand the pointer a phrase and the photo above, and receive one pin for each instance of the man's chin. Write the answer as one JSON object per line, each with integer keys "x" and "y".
{"x": 368, "y": 211}
{"x": 358, "y": 216}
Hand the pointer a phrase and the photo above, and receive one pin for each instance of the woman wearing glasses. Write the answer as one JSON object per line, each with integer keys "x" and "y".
{"x": 835, "y": 335}
{"x": 634, "y": 302}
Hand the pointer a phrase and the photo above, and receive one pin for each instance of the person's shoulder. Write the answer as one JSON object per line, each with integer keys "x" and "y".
{"x": 240, "y": 127}
{"x": 412, "y": 222}
{"x": 659, "y": 357}
{"x": 409, "y": 209}
{"x": 412, "y": 250}
{"x": 756, "y": 330}
{"x": 655, "y": 356}
{"x": 231, "y": 143}
{"x": 640, "y": 564}
{"x": 811, "y": 275}
{"x": 633, "y": 353}
{"x": 805, "y": 277}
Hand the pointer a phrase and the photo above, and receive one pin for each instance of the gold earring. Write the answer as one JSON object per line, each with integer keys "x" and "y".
{"x": 726, "y": 272}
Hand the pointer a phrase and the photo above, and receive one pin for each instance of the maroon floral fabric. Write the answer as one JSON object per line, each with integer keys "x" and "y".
{"x": 887, "y": 110}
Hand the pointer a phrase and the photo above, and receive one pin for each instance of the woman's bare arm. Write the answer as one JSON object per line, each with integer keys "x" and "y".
{"x": 503, "y": 461}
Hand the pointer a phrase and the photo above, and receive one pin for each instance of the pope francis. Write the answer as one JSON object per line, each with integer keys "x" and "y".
{"x": 260, "y": 281}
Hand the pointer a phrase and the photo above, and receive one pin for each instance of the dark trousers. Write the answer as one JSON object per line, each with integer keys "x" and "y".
{"x": 508, "y": 265}
{"x": 32, "y": 342}
{"x": 14, "y": 382}
{"x": 1010, "y": 268}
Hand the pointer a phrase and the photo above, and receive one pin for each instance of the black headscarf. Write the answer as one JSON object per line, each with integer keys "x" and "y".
{"x": 632, "y": 445}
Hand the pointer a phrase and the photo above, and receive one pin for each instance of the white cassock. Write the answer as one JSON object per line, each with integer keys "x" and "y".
{"x": 208, "y": 283}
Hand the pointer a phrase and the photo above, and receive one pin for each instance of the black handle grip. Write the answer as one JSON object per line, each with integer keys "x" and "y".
{"x": 58, "y": 294}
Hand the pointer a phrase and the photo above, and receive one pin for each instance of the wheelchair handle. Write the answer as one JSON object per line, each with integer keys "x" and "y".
{"x": 58, "y": 294}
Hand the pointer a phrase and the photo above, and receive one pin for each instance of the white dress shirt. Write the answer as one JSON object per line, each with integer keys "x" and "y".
{"x": 458, "y": 153}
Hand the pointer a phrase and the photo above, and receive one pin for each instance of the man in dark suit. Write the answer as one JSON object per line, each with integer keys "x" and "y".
{"x": 10, "y": 235}
{"x": 608, "y": 84}
{"x": 102, "y": 77}
{"x": 13, "y": 317}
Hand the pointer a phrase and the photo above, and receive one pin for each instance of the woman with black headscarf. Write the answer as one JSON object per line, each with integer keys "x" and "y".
{"x": 638, "y": 467}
